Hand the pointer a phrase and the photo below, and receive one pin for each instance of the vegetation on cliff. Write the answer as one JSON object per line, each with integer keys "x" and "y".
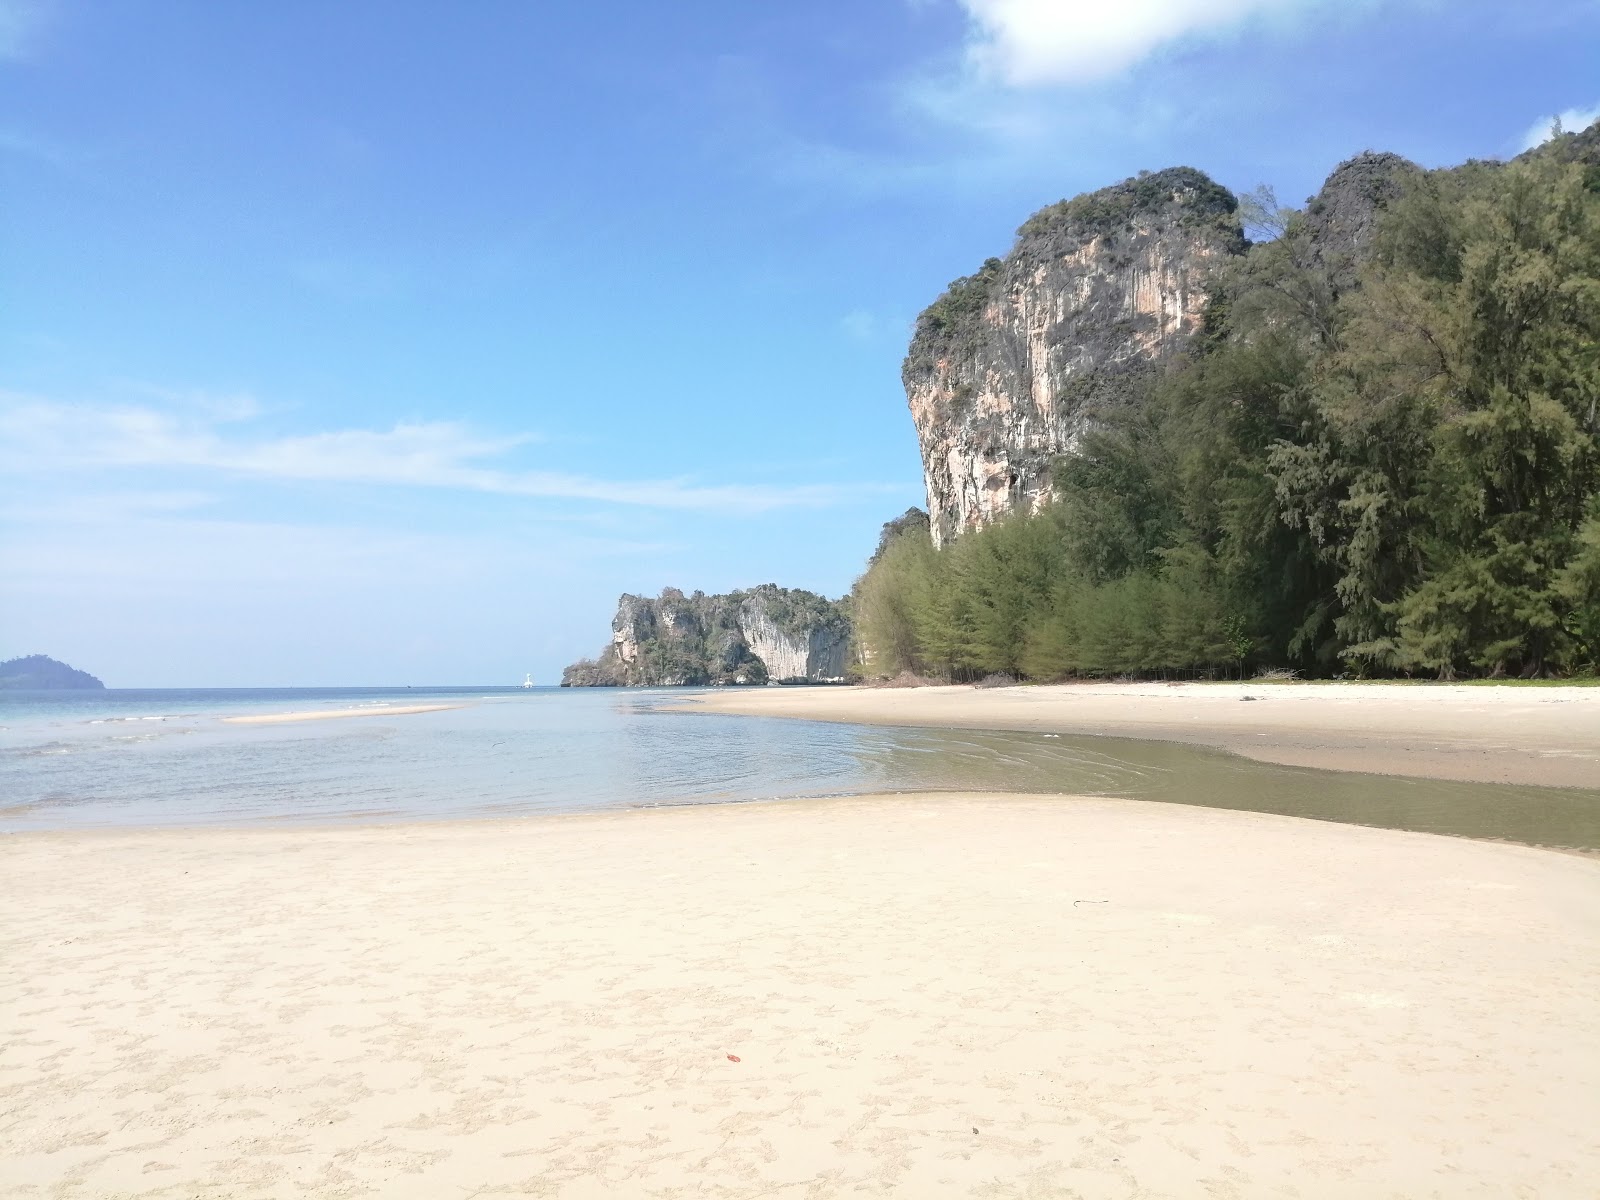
{"x": 37, "y": 672}
{"x": 1375, "y": 462}
{"x": 1180, "y": 197}
{"x": 1107, "y": 212}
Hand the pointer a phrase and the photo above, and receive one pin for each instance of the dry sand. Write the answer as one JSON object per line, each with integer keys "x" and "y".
{"x": 927, "y": 996}
{"x": 1532, "y": 735}
{"x": 334, "y": 714}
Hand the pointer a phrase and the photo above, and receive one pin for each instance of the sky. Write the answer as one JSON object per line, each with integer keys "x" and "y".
{"x": 388, "y": 342}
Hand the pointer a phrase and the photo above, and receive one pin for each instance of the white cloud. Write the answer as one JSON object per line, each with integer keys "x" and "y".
{"x": 859, "y": 325}
{"x": 1573, "y": 120}
{"x": 866, "y": 327}
{"x": 1026, "y": 43}
{"x": 993, "y": 112}
{"x": 44, "y": 435}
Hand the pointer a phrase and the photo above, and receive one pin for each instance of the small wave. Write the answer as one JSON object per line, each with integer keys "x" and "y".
{"x": 48, "y": 749}
{"x": 41, "y": 803}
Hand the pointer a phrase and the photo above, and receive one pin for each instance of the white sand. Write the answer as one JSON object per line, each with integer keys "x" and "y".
{"x": 334, "y": 714}
{"x": 1534, "y": 735}
{"x": 929, "y": 996}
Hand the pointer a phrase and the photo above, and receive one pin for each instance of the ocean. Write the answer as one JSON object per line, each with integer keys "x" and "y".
{"x": 119, "y": 758}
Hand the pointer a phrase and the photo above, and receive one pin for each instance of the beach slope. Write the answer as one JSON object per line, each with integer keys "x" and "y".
{"x": 1546, "y": 736}
{"x": 926, "y": 996}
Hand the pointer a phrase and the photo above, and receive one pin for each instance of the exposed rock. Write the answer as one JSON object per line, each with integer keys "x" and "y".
{"x": 1013, "y": 364}
{"x": 37, "y": 672}
{"x": 1341, "y": 219}
{"x": 748, "y": 637}
{"x": 1009, "y": 367}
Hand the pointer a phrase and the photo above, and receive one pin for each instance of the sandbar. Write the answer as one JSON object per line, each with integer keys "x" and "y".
{"x": 912, "y": 996}
{"x": 334, "y": 714}
{"x": 1546, "y": 736}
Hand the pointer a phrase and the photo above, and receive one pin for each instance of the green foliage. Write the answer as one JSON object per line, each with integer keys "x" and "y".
{"x": 1113, "y": 207}
{"x": 795, "y": 610}
{"x": 952, "y": 325}
{"x": 963, "y": 300}
{"x": 1452, "y": 448}
{"x": 1390, "y": 470}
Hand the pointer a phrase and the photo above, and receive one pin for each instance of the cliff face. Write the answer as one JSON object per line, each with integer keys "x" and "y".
{"x": 1009, "y": 367}
{"x": 745, "y": 637}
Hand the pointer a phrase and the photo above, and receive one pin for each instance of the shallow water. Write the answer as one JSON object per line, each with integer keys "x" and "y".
{"x": 143, "y": 758}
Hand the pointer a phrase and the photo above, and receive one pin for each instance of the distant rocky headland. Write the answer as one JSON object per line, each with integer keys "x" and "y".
{"x": 767, "y": 634}
{"x": 35, "y": 672}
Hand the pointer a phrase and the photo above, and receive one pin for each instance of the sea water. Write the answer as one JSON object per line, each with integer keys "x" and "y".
{"x": 71, "y": 760}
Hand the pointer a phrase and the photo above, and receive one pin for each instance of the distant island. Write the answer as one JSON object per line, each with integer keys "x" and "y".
{"x": 767, "y": 634}
{"x": 36, "y": 672}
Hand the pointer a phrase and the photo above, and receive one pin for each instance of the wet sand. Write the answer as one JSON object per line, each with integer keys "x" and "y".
{"x": 929, "y": 996}
{"x": 1546, "y": 736}
{"x": 335, "y": 714}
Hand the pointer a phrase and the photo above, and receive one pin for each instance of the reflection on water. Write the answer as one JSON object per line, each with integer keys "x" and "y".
{"x": 164, "y": 758}
{"x": 1179, "y": 774}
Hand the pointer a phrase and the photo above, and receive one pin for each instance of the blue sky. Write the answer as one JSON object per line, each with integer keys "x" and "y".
{"x": 388, "y": 342}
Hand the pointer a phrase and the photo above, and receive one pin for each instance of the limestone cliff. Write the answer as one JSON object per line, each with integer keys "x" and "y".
{"x": 1010, "y": 365}
{"x": 747, "y": 637}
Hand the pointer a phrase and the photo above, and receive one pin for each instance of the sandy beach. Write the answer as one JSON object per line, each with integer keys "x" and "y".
{"x": 1546, "y": 736}
{"x": 336, "y": 714}
{"x": 917, "y": 996}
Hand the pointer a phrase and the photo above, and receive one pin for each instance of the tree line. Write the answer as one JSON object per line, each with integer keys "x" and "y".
{"x": 1389, "y": 467}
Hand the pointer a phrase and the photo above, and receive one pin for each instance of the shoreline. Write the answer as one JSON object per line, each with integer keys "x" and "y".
{"x": 334, "y": 714}
{"x": 833, "y": 994}
{"x": 1547, "y": 736}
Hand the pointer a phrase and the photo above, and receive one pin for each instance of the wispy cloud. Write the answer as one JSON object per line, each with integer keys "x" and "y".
{"x": 46, "y": 435}
{"x": 20, "y": 24}
{"x": 865, "y": 326}
{"x": 149, "y": 599}
{"x": 42, "y": 149}
{"x": 1029, "y": 84}
{"x": 152, "y": 553}
{"x": 1028, "y": 43}
{"x": 859, "y": 325}
{"x": 1571, "y": 120}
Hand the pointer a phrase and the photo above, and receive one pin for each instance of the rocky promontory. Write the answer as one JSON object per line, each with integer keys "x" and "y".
{"x": 1009, "y": 366}
{"x": 766, "y": 634}
{"x": 1013, "y": 364}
